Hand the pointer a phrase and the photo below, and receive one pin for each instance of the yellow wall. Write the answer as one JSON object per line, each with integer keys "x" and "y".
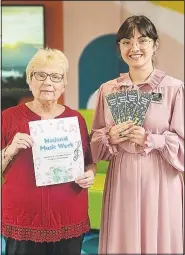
{"x": 174, "y": 5}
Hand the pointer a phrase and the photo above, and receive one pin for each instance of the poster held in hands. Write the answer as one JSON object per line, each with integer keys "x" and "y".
{"x": 113, "y": 106}
{"x": 142, "y": 108}
{"x": 129, "y": 105}
{"x": 121, "y": 100}
{"x": 57, "y": 150}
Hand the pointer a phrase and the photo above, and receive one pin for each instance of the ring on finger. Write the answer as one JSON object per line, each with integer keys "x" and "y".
{"x": 121, "y": 134}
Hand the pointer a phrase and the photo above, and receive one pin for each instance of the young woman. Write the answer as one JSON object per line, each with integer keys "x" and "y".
{"x": 143, "y": 197}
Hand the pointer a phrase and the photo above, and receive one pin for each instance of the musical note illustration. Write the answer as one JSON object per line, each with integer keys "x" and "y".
{"x": 77, "y": 152}
{"x": 40, "y": 127}
{"x": 61, "y": 126}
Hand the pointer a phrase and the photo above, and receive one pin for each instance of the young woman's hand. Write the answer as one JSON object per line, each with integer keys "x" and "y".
{"x": 119, "y": 133}
{"x": 86, "y": 180}
{"x": 138, "y": 136}
{"x": 20, "y": 141}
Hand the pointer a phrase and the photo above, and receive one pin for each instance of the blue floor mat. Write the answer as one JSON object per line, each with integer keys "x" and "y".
{"x": 2, "y": 246}
{"x": 90, "y": 243}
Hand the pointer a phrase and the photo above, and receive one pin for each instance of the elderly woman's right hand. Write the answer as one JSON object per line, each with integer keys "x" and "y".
{"x": 20, "y": 141}
{"x": 118, "y": 133}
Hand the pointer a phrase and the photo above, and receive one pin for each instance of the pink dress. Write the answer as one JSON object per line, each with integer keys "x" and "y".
{"x": 143, "y": 196}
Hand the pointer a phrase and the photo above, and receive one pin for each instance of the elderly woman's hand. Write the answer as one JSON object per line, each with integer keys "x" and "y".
{"x": 20, "y": 141}
{"x": 86, "y": 180}
{"x": 118, "y": 133}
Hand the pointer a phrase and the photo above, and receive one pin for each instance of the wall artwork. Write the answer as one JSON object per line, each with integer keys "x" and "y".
{"x": 22, "y": 36}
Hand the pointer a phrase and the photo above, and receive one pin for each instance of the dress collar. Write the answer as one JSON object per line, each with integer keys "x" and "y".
{"x": 154, "y": 79}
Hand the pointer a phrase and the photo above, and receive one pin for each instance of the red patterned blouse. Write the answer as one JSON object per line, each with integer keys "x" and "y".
{"x": 40, "y": 214}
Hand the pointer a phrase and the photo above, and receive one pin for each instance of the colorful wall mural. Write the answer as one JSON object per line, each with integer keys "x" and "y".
{"x": 105, "y": 64}
{"x": 89, "y": 43}
{"x": 88, "y": 31}
{"x": 22, "y": 36}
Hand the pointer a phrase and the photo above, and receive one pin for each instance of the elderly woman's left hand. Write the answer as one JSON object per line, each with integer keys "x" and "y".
{"x": 86, "y": 180}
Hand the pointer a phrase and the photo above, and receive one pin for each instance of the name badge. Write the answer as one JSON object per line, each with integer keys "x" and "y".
{"x": 157, "y": 97}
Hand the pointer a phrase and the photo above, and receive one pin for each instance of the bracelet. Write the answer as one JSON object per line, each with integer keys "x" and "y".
{"x": 5, "y": 154}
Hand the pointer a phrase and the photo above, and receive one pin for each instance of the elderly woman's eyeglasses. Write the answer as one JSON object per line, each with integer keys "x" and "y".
{"x": 42, "y": 76}
{"x": 142, "y": 43}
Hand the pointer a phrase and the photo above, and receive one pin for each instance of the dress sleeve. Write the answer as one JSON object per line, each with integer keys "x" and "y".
{"x": 100, "y": 146}
{"x": 85, "y": 141}
{"x": 171, "y": 143}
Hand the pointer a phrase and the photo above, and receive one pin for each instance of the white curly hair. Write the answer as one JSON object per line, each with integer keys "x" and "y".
{"x": 44, "y": 57}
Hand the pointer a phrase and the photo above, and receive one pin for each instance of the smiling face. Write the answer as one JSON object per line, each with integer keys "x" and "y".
{"x": 138, "y": 50}
{"x": 47, "y": 90}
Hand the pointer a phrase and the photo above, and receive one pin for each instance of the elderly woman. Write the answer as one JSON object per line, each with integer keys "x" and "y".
{"x": 48, "y": 219}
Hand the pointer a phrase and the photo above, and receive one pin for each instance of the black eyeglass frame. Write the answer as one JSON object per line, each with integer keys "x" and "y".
{"x": 61, "y": 76}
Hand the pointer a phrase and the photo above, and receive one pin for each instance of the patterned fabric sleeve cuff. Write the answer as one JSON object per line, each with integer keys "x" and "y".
{"x": 153, "y": 141}
{"x": 112, "y": 148}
